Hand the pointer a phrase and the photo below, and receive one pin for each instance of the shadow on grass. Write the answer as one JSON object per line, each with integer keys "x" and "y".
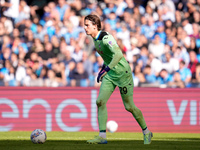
{"x": 180, "y": 144}
{"x": 172, "y": 144}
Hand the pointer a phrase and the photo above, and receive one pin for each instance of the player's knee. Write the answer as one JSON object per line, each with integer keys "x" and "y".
{"x": 100, "y": 102}
{"x": 129, "y": 109}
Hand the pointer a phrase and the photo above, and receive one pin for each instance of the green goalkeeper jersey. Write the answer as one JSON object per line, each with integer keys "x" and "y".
{"x": 120, "y": 72}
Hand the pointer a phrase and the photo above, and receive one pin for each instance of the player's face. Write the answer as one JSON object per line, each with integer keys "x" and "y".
{"x": 90, "y": 29}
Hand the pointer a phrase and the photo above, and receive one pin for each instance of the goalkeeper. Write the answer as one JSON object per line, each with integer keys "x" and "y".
{"x": 115, "y": 72}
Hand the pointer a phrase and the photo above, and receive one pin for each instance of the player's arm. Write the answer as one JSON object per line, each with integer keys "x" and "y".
{"x": 117, "y": 55}
{"x": 111, "y": 43}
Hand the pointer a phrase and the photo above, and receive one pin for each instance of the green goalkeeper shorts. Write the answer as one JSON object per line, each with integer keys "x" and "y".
{"x": 108, "y": 87}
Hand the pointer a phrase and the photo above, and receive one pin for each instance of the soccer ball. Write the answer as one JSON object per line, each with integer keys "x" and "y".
{"x": 112, "y": 126}
{"x": 38, "y": 136}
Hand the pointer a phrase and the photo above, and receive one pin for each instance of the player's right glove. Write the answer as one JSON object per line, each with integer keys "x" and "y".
{"x": 102, "y": 73}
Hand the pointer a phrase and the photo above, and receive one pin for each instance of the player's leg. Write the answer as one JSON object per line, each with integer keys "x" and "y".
{"x": 105, "y": 92}
{"x": 127, "y": 97}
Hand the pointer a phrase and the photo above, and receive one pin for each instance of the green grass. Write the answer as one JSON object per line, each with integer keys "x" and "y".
{"x": 116, "y": 141}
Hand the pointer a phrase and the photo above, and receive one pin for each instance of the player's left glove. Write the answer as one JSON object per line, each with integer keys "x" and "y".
{"x": 102, "y": 73}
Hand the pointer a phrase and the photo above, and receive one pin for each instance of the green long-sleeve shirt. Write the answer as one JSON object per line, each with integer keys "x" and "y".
{"x": 108, "y": 49}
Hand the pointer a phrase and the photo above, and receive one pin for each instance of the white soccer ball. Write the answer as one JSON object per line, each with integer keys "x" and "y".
{"x": 112, "y": 126}
{"x": 38, "y": 136}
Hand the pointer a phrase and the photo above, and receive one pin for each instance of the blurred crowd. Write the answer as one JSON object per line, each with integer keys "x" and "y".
{"x": 43, "y": 42}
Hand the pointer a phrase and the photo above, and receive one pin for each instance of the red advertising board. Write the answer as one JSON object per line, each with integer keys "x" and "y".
{"x": 74, "y": 109}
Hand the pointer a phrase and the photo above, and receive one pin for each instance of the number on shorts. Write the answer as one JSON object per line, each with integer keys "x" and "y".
{"x": 123, "y": 90}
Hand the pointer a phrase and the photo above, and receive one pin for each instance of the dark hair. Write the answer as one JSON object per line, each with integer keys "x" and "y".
{"x": 148, "y": 66}
{"x": 95, "y": 20}
{"x": 183, "y": 62}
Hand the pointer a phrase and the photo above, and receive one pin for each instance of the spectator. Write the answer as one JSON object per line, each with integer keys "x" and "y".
{"x": 51, "y": 81}
{"x": 30, "y": 25}
{"x": 35, "y": 81}
{"x": 73, "y": 18}
{"x": 161, "y": 32}
{"x": 187, "y": 26}
{"x": 124, "y": 35}
{"x": 171, "y": 64}
{"x": 37, "y": 46}
{"x": 193, "y": 46}
{"x": 144, "y": 56}
{"x": 5, "y": 69}
{"x": 149, "y": 76}
{"x": 40, "y": 33}
{"x": 121, "y": 5}
{"x": 5, "y": 55}
{"x": 164, "y": 77}
{"x": 138, "y": 73}
{"x": 111, "y": 7}
{"x": 156, "y": 47}
{"x": 192, "y": 64}
{"x": 24, "y": 12}
{"x": 47, "y": 55}
{"x": 121, "y": 45}
{"x": 112, "y": 20}
{"x": 63, "y": 9}
{"x": 7, "y": 24}
{"x": 130, "y": 7}
{"x": 198, "y": 72}
{"x": 9, "y": 78}
{"x": 79, "y": 76}
{"x": 27, "y": 78}
{"x": 150, "y": 11}
{"x": 184, "y": 72}
{"x": 149, "y": 29}
{"x": 196, "y": 16}
{"x": 12, "y": 10}
{"x": 169, "y": 4}
{"x": 137, "y": 15}
{"x": 167, "y": 12}
{"x": 133, "y": 51}
{"x": 178, "y": 19}
{"x": 58, "y": 68}
{"x": 6, "y": 42}
{"x": 69, "y": 63}
{"x": 131, "y": 23}
{"x": 195, "y": 28}
{"x": 55, "y": 44}
{"x": 87, "y": 64}
{"x": 20, "y": 73}
{"x": 78, "y": 53}
{"x": 177, "y": 82}
{"x": 181, "y": 54}
{"x": 14, "y": 60}
{"x": 155, "y": 63}
{"x": 2, "y": 32}
{"x": 91, "y": 6}
{"x": 43, "y": 74}
{"x": 36, "y": 67}
{"x": 88, "y": 45}
{"x": 17, "y": 44}
{"x": 29, "y": 39}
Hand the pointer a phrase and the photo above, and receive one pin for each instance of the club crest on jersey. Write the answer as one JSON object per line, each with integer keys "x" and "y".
{"x": 110, "y": 42}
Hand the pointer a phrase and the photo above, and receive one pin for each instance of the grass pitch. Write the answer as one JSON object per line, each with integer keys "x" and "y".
{"x": 116, "y": 141}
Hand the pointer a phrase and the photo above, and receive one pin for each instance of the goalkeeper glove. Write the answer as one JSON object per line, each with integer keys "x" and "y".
{"x": 102, "y": 73}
